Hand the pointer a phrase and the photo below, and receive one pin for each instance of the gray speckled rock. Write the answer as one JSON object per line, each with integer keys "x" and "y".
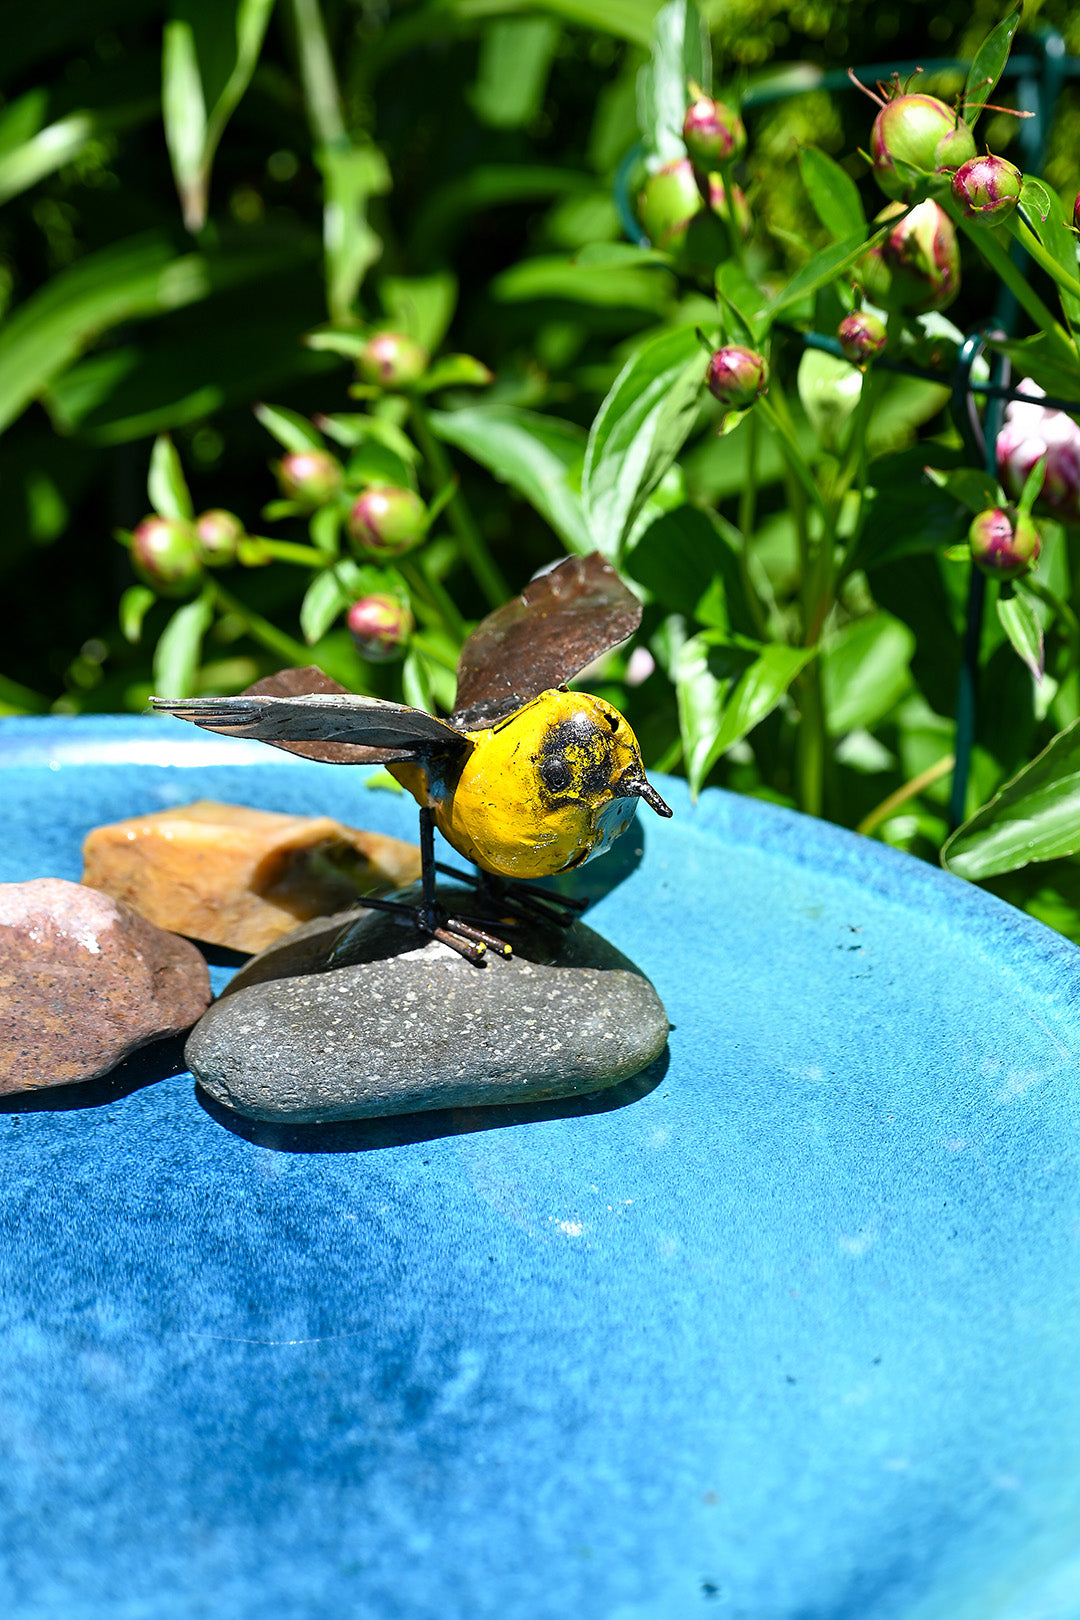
{"x": 412, "y": 1026}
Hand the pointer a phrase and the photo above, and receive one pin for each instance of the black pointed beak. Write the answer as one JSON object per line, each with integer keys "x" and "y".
{"x": 639, "y": 788}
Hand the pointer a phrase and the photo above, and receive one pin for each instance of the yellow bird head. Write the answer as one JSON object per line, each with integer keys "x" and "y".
{"x": 547, "y": 788}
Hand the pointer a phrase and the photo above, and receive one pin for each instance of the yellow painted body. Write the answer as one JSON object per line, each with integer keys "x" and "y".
{"x": 538, "y": 792}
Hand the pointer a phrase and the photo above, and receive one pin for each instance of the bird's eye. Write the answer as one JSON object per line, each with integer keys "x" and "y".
{"x": 555, "y": 773}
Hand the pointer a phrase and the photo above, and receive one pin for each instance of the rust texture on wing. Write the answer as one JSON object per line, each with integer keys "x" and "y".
{"x": 542, "y": 638}
{"x": 301, "y": 683}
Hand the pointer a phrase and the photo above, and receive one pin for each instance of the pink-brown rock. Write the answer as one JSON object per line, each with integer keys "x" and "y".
{"x": 84, "y": 981}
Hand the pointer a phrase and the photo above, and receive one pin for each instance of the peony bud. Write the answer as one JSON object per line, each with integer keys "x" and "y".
{"x": 712, "y": 133}
{"x": 387, "y": 520}
{"x": 1031, "y": 432}
{"x": 380, "y": 626}
{"x": 165, "y": 555}
{"x": 862, "y": 337}
{"x": 987, "y": 189}
{"x": 667, "y": 203}
{"x": 1003, "y": 544}
{"x": 737, "y": 377}
{"x": 310, "y": 477}
{"x": 218, "y": 533}
{"x": 921, "y": 131}
{"x": 392, "y": 360}
{"x": 917, "y": 267}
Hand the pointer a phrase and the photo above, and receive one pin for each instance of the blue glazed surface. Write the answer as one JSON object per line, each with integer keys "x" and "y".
{"x": 792, "y": 1335}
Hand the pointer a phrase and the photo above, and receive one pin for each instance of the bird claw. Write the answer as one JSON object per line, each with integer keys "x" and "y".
{"x": 462, "y": 935}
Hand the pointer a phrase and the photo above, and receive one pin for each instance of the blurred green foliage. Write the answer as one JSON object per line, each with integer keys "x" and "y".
{"x": 190, "y": 189}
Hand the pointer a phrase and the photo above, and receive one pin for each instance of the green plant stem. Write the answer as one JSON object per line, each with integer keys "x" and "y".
{"x": 779, "y": 420}
{"x": 432, "y": 650}
{"x": 799, "y": 481}
{"x": 747, "y": 514}
{"x": 881, "y": 812}
{"x": 998, "y": 260}
{"x": 436, "y": 594}
{"x": 473, "y": 546}
{"x": 1031, "y": 245}
{"x": 258, "y": 628}
{"x": 855, "y": 461}
{"x": 810, "y": 741}
{"x": 731, "y": 222}
{"x": 288, "y": 551}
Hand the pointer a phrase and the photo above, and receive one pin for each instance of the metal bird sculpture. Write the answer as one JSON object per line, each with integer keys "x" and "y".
{"x": 526, "y": 779}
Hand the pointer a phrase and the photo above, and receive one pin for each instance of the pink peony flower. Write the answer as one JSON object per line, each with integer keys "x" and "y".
{"x": 1031, "y": 432}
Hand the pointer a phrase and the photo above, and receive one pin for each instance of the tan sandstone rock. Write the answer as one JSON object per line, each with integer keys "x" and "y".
{"x": 239, "y": 877}
{"x": 84, "y": 982}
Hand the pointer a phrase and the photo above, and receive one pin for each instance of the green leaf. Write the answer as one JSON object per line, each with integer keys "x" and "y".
{"x": 539, "y": 456}
{"x": 22, "y": 119}
{"x": 352, "y": 429}
{"x": 903, "y": 405}
{"x": 619, "y": 255}
{"x": 166, "y": 485}
{"x": 183, "y": 109}
{"x": 1035, "y": 816}
{"x": 135, "y": 604}
{"x": 1047, "y": 358}
{"x": 833, "y": 194}
{"x": 375, "y": 463}
{"x": 905, "y": 514}
{"x": 421, "y": 306}
{"x": 969, "y": 485}
{"x": 274, "y": 511}
{"x": 1047, "y": 217}
{"x": 625, "y": 19}
{"x": 689, "y": 562}
{"x": 724, "y": 688}
{"x": 324, "y": 528}
{"x": 176, "y": 656}
{"x": 588, "y": 284}
{"x": 447, "y": 211}
{"x": 456, "y": 371}
{"x": 325, "y": 599}
{"x": 864, "y": 671}
{"x": 348, "y": 344}
{"x": 352, "y": 175}
{"x": 291, "y": 430}
{"x": 209, "y": 54}
{"x": 987, "y": 66}
{"x": 239, "y": 344}
{"x": 639, "y": 430}
{"x": 1032, "y": 489}
{"x": 141, "y": 276}
{"x": 416, "y": 681}
{"x": 332, "y": 592}
{"x": 1024, "y": 629}
{"x": 740, "y": 297}
{"x": 1037, "y": 198}
{"x": 46, "y": 151}
{"x": 829, "y": 389}
{"x": 515, "y": 59}
{"x": 679, "y": 53}
{"x": 822, "y": 268}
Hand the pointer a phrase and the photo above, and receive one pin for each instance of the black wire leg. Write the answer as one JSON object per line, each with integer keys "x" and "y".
{"x": 560, "y": 909}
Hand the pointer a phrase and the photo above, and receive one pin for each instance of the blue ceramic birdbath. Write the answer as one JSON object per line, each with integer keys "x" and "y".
{"x": 787, "y": 1330}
